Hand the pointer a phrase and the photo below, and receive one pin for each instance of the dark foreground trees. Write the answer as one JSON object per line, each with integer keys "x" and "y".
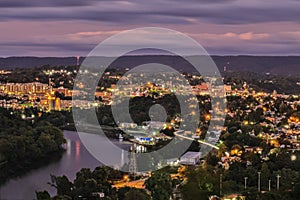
{"x": 26, "y": 144}
{"x": 87, "y": 185}
{"x": 160, "y": 185}
{"x": 98, "y": 184}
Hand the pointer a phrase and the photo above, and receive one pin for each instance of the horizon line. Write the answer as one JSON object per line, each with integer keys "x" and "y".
{"x": 214, "y": 55}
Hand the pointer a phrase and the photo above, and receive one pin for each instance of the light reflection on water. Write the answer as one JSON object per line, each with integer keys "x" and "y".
{"x": 77, "y": 149}
{"x": 75, "y": 158}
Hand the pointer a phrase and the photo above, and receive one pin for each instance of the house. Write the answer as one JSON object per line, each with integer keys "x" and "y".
{"x": 190, "y": 158}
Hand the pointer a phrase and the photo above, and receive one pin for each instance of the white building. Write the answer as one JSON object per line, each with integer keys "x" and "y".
{"x": 190, "y": 158}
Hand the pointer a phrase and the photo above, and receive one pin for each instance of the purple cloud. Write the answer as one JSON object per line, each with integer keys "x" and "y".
{"x": 222, "y": 26}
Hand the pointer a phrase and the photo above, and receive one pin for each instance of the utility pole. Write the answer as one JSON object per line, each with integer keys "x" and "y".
{"x": 246, "y": 182}
{"x": 132, "y": 162}
{"x": 278, "y": 178}
{"x": 221, "y": 176}
{"x": 269, "y": 185}
{"x": 258, "y": 184}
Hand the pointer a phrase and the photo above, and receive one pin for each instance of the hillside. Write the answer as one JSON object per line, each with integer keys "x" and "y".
{"x": 276, "y": 65}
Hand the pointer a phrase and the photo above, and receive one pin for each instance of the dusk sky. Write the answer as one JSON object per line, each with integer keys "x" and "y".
{"x": 75, "y": 27}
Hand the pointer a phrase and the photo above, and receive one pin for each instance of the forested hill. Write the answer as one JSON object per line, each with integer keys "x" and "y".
{"x": 276, "y": 65}
{"x": 31, "y": 62}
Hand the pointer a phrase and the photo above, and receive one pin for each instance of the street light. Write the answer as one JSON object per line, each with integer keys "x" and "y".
{"x": 278, "y": 178}
{"x": 258, "y": 184}
{"x": 246, "y": 182}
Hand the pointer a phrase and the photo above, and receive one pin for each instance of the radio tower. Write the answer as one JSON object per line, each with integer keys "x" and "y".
{"x": 78, "y": 60}
{"x": 132, "y": 161}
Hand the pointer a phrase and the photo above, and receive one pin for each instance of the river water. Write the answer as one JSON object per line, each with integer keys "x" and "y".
{"x": 75, "y": 158}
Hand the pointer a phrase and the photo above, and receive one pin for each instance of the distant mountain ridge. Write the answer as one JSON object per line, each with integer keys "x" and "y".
{"x": 277, "y": 65}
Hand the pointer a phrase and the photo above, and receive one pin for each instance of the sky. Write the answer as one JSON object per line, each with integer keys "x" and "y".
{"x": 75, "y": 27}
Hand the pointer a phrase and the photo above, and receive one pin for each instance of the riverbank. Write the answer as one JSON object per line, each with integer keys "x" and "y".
{"x": 75, "y": 157}
{"x": 26, "y": 145}
{"x": 17, "y": 170}
{"x": 11, "y": 171}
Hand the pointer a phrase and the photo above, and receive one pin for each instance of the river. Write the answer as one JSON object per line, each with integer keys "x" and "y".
{"x": 75, "y": 158}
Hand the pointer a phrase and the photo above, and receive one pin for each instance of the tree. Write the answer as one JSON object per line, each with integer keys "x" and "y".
{"x": 62, "y": 184}
{"x": 134, "y": 193}
{"x": 201, "y": 183}
{"x": 122, "y": 191}
{"x": 46, "y": 143}
{"x": 221, "y": 151}
{"x": 23, "y": 140}
{"x": 265, "y": 175}
{"x": 160, "y": 185}
{"x": 43, "y": 195}
{"x": 211, "y": 159}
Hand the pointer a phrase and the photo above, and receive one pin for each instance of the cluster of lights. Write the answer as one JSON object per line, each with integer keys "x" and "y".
{"x": 294, "y": 119}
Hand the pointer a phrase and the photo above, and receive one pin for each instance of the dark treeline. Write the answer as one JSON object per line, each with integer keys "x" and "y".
{"x": 90, "y": 185}
{"x": 261, "y": 64}
{"x": 26, "y": 144}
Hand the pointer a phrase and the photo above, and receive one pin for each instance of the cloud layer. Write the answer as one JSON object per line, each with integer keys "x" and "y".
{"x": 222, "y": 26}
{"x": 213, "y": 11}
